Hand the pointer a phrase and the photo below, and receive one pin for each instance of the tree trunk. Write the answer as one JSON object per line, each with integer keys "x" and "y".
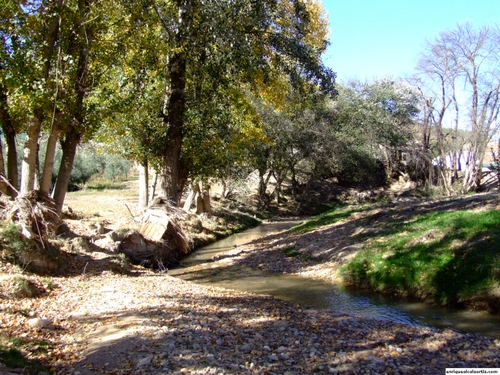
{"x": 191, "y": 196}
{"x": 50, "y": 155}
{"x": 68, "y": 157}
{"x": 153, "y": 190}
{"x": 3, "y": 185}
{"x": 12, "y": 169}
{"x": 176, "y": 102}
{"x": 263, "y": 188}
{"x": 143, "y": 184}
{"x": 176, "y": 109}
{"x": 28, "y": 166}
{"x": 199, "y": 204}
{"x": 10, "y": 139}
{"x": 207, "y": 205}
{"x": 75, "y": 129}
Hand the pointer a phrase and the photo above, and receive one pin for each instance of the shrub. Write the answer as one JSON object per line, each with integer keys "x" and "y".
{"x": 12, "y": 243}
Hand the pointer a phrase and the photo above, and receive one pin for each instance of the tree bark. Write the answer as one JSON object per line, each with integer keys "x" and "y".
{"x": 176, "y": 109}
{"x": 3, "y": 185}
{"x": 68, "y": 157}
{"x": 153, "y": 190}
{"x": 50, "y": 155}
{"x": 143, "y": 184}
{"x": 10, "y": 139}
{"x": 28, "y": 165}
{"x": 176, "y": 103}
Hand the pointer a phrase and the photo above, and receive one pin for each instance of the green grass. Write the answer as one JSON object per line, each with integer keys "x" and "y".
{"x": 106, "y": 185}
{"x": 445, "y": 257}
{"x": 290, "y": 252}
{"x": 330, "y": 217}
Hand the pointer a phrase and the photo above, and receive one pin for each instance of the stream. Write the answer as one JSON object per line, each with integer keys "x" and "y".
{"x": 197, "y": 267}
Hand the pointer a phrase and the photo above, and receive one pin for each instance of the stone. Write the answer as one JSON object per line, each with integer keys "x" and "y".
{"x": 247, "y": 348}
{"x": 145, "y": 361}
{"x": 39, "y": 322}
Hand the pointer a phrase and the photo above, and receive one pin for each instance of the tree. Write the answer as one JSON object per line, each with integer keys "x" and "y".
{"x": 45, "y": 19}
{"x": 365, "y": 128}
{"x": 240, "y": 41}
{"x": 460, "y": 71}
{"x": 90, "y": 44}
{"x": 11, "y": 66}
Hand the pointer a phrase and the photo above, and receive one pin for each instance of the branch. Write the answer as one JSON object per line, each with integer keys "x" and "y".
{"x": 8, "y": 183}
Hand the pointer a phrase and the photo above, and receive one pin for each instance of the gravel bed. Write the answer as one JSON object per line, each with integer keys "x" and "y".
{"x": 157, "y": 324}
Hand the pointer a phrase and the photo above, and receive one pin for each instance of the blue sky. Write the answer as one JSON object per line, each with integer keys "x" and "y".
{"x": 370, "y": 38}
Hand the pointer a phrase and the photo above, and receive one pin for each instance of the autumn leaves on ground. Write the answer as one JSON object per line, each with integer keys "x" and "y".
{"x": 109, "y": 317}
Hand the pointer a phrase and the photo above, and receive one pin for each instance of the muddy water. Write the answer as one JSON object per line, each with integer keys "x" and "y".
{"x": 198, "y": 268}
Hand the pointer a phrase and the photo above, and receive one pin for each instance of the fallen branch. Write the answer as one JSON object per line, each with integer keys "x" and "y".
{"x": 8, "y": 183}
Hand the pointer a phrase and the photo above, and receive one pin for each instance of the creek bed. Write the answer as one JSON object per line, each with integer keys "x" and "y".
{"x": 198, "y": 267}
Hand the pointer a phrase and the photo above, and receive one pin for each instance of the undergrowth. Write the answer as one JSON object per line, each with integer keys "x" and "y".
{"x": 12, "y": 243}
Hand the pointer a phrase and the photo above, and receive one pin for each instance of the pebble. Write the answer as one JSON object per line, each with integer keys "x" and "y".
{"x": 246, "y": 348}
{"x": 145, "y": 361}
{"x": 39, "y": 322}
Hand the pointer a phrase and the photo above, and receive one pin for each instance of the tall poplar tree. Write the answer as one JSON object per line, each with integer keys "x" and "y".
{"x": 240, "y": 42}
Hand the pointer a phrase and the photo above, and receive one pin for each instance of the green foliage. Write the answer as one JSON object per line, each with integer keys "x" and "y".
{"x": 100, "y": 185}
{"x": 22, "y": 288}
{"x": 291, "y": 252}
{"x": 116, "y": 166}
{"x": 446, "y": 257}
{"x": 90, "y": 163}
{"x": 368, "y": 121}
{"x": 85, "y": 166}
{"x": 12, "y": 243}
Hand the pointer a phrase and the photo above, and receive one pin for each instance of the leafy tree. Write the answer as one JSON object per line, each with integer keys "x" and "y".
{"x": 357, "y": 136}
{"x": 230, "y": 43}
{"x": 14, "y": 81}
{"x": 37, "y": 43}
{"x": 89, "y": 45}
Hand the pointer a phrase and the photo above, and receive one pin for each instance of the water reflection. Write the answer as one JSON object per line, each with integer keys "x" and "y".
{"x": 317, "y": 293}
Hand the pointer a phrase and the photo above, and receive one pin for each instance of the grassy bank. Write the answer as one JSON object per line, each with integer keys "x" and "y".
{"x": 449, "y": 255}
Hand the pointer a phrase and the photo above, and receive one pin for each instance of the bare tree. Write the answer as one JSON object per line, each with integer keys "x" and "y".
{"x": 460, "y": 71}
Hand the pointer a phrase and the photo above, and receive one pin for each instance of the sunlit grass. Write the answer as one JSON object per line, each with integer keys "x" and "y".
{"x": 330, "y": 217}
{"x": 446, "y": 257}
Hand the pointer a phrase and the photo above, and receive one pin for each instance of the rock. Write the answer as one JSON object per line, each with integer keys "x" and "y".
{"x": 145, "y": 361}
{"x": 39, "y": 322}
{"x": 247, "y": 348}
{"x": 107, "y": 243}
{"x": 273, "y": 358}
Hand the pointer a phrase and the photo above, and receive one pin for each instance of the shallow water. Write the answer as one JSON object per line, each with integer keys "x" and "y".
{"x": 321, "y": 294}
